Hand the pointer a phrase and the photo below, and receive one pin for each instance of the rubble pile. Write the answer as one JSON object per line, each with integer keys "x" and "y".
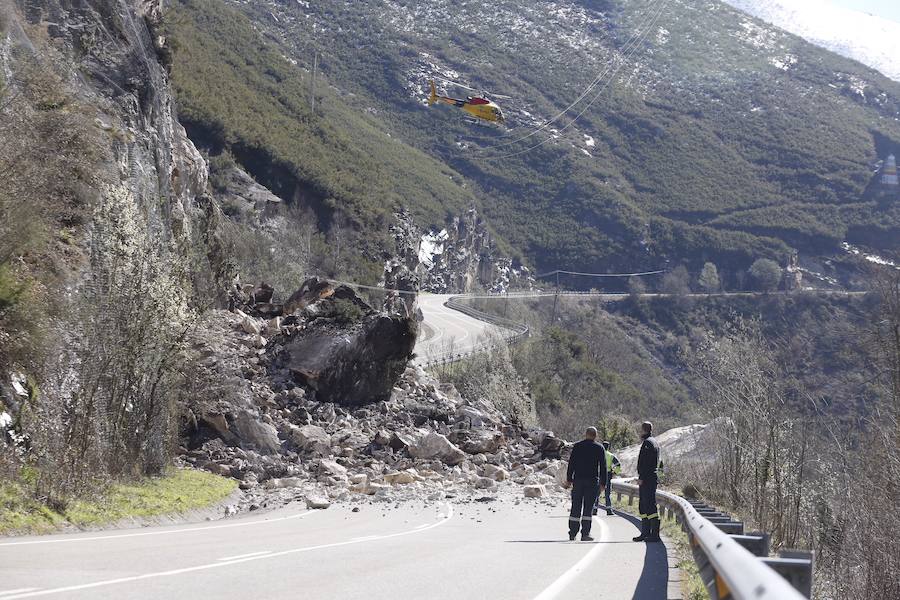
{"x": 277, "y": 404}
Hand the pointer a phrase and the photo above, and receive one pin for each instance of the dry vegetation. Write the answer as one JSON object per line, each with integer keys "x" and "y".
{"x": 811, "y": 481}
{"x": 92, "y": 307}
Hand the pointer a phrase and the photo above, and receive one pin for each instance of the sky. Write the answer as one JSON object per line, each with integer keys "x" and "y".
{"x": 889, "y": 9}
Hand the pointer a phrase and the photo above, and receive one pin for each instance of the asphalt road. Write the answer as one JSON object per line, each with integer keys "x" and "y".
{"x": 446, "y": 330}
{"x": 440, "y": 551}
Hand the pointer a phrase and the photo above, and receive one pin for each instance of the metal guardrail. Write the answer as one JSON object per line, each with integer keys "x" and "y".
{"x": 519, "y": 331}
{"x": 732, "y": 565}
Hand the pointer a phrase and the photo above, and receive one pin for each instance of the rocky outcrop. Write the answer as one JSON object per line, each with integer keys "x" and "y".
{"x": 244, "y": 198}
{"x": 463, "y": 257}
{"x": 400, "y": 271}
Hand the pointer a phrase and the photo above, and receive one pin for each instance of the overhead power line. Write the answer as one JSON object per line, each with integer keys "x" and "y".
{"x": 561, "y": 272}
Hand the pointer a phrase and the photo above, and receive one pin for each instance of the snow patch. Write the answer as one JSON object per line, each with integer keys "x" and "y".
{"x": 871, "y": 40}
{"x": 872, "y": 258}
{"x": 432, "y": 246}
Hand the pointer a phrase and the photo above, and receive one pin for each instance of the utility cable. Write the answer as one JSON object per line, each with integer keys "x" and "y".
{"x": 628, "y": 55}
{"x": 636, "y": 38}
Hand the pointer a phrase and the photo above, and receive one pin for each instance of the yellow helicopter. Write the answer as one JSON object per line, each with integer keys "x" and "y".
{"x": 478, "y": 106}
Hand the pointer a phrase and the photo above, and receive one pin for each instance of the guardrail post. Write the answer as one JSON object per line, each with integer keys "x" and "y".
{"x": 757, "y": 543}
{"x": 796, "y": 566}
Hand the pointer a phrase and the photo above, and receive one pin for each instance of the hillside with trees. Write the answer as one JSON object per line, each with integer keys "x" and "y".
{"x": 712, "y": 136}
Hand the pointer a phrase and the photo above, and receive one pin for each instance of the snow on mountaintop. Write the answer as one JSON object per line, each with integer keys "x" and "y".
{"x": 871, "y": 40}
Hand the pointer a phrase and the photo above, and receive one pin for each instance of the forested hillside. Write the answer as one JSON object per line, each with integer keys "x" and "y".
{"x": 712, "y": 135}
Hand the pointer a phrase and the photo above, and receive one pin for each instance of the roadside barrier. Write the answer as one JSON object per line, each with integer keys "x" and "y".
{"x": 733, "y": 564}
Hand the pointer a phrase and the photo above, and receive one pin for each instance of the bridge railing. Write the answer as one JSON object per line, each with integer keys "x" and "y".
{"x": 512, "y": 332}
{"x": 732, "y": 564}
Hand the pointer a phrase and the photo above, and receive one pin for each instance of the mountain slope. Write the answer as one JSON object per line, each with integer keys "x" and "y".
{"x": 872, "y": 40}
{"x": 237, "y": 92}
{"x": 715, "y": 136}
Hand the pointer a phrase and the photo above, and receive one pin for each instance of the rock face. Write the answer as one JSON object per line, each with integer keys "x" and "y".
{"x": 463, "y": 257}
{"x": 245, "y": 196}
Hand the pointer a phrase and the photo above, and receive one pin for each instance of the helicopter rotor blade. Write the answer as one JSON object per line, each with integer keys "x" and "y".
{"x": 456, "y": 83}
{"x": 471, "y": 89}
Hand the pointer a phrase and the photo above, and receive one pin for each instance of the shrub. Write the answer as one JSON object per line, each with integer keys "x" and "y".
{"x": 347, "y": 312}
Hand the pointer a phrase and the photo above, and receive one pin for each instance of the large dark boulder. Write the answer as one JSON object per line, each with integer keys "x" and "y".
{"x": 350, "y": 366}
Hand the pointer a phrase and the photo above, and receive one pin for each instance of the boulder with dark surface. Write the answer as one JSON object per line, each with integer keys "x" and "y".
{"x": 344, "y": 350}
{"x": 350, "y": 366}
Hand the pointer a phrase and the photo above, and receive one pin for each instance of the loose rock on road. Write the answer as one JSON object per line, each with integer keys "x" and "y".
{"x": 474, "y": 550}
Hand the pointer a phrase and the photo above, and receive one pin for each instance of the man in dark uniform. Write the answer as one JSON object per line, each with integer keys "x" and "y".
{"x": 586, "y": 476}
{"x": 648, "y": 478}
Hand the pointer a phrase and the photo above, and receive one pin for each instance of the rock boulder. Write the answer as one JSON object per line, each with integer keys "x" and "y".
{"x": 436, "y": 446}
{"x": 354, "y": 365}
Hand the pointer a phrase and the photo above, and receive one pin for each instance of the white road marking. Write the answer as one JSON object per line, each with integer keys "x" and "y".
{"x": 364, "y": 538}
{"x": 423, "y": 525}
{"x": 7, "y": 593}
{"x": 215, "y": 565}
{"x": 557, "y": 587}
{"x": 64, "y": 540}
{"x": 245, "y": 555}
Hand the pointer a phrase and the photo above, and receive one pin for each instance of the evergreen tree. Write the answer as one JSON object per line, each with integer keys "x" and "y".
{"x": 709, "y": 278}
{"x": 767, "y": 274}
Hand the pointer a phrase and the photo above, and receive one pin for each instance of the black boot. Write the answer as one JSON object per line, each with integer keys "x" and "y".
{"x": 586, "y": 531}
{"x": 645, "y": 531}
{"x": 574, "y": 525}
{"x": 654, "y": 530}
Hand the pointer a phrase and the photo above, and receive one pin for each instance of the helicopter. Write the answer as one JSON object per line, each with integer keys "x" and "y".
{"x": 478, "y": 106}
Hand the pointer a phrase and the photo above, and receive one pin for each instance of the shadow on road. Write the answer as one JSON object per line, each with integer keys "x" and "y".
{"x": 654, "y": 581}
{"x": 564, "y": 541}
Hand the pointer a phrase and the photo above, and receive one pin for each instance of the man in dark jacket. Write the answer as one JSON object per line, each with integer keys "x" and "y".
{"x": 586, "y": 475}
{"x": 648, "y": 478}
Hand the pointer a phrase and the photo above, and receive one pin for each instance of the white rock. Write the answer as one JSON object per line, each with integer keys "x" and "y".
{"x": 317, "y": 501}
{"x": 561, "y": 475}
{"x": 496, "y": 473}
{"x": 435, "y": 445}
{"x": 330, "y": 468}
{"x": 535, "y": 491}
{"x": 251, "y": 325}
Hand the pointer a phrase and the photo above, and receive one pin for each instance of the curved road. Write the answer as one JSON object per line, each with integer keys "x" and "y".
{"x": 449, "y": 331}
{"x": 442, "y": 551}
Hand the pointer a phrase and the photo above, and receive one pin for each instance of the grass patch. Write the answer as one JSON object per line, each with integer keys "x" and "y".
{"x": 20, "y": 513}
{"x": 692, "y": 587}
{"x": 180, "y": 491}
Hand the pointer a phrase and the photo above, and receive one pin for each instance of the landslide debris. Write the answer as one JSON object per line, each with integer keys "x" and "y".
{"x": 308, "y": 406}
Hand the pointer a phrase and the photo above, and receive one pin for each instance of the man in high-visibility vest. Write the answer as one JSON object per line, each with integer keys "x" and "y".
{"x": 613, "y": 467}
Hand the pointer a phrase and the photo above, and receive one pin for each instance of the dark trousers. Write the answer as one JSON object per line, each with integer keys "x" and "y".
{"x": 608, "y": 492}
{"x": 584, "y": 494}
{"x": 647, "y": 499}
